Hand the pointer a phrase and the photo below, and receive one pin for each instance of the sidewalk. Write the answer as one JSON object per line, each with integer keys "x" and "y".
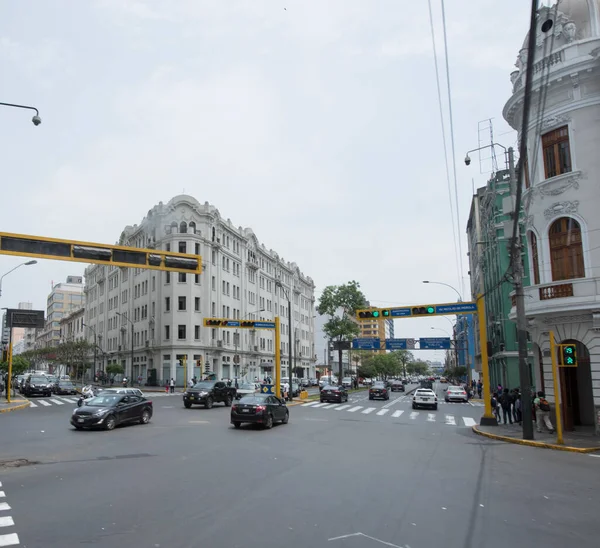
{"x": 15, "y": 404}
{"x": 583, "y": 440}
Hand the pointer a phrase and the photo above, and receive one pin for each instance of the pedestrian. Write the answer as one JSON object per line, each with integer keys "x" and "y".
{"x": 479, "y": 389}
{"x": 542, "y": 412}
{"x": 286, "y": 391}
{"x": 506, "y": 403}
{"x": 515, "y": 397}
{"x": 172, "y": 384}
{"x": 519, "y": 414}
{"x": 495, "y": 406}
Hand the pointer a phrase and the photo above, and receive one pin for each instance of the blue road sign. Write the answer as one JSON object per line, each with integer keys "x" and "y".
{"x": 233, "y": 324}
{"x": 264, "y": 325}
{"x": 400, "y": 312}
{"x": 434, "y": 343}
{"x": 366, "y": 344}
{"x": 267, "y": 389}
{"x": 456, "y": 308}
{"x": 396, "y": 344}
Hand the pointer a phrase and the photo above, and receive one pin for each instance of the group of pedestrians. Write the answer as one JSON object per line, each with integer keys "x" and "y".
{"x": 509, "y": 403}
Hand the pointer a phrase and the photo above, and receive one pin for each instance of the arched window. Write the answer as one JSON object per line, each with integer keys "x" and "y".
{"x": 566, "y": 251}
{"x": 213, "y": 234}
{"x": 535, "y": 261}
{"x": 192, "y": 225}
{"x": 183, "y": 227}
{"x": 173, "y": 227}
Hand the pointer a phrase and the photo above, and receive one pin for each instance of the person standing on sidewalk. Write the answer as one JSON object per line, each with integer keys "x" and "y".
{"x": 542, "y": 412}
{"x": 172, "y": 385}
{"x": 506, "y": 402}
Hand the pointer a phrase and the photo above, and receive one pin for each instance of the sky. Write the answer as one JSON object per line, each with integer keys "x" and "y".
{"x": 314, "y": 123}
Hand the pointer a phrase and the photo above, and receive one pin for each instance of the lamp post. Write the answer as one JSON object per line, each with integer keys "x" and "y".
{"x": 95, "y": 344}
{"x": 36, "y": 118}
{"x": 132, "y": 333}
{"x": 290, "y": 347}
{"x": 447, "y": 285}
{"x": 28, "y": 263}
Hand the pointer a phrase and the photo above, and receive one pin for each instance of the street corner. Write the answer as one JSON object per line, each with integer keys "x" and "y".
{"x": 13, "y": 406}
{"x": 532, "y": 443}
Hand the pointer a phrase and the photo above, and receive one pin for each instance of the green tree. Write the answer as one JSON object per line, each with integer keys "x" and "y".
{"x": 19, "y": 365}
{"x": 418, "y": 367}
{"x": 367, "y": 371}
{"x": 384, "y": 365}
{"x": 340, "y": 303}
{"x": 115, "y": 369}
{"x": 404, "y": 358}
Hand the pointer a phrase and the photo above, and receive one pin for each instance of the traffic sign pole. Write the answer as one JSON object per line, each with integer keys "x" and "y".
{"x": 488, "y": 418}
{"x": 559, "y": 429}
{"x": 278, "y": 358}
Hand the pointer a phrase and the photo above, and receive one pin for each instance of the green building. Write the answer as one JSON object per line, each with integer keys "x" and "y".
{"x": 489, "y": 231}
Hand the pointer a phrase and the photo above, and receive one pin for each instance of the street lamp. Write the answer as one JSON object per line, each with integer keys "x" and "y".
{"x": 447, "y": 285}
{"x": 28, "y": 263}
{"x": 132, "y": 328}
{"x": 288, "y": 297}
{"x": 36, "y": 118}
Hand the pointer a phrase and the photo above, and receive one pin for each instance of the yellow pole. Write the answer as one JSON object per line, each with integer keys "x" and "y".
{"x": 184, "y": 373}
{"x": 9, "y": 378}
{"x": 559, "y": 429}
{"x": 277, "y": 358}
{"x": 488, "y": 416}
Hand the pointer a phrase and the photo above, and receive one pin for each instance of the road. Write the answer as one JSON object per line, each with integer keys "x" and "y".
{"x": 330, "y": 478}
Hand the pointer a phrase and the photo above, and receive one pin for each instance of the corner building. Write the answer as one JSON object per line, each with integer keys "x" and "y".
{"x": 561, "y": 199}
{"x": 150, "y": 321}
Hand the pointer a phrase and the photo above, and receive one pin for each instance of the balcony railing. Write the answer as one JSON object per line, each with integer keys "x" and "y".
{"x": 556, "y": 291}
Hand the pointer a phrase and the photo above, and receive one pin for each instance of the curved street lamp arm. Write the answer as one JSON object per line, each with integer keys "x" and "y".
{"x": 21, "y": 106}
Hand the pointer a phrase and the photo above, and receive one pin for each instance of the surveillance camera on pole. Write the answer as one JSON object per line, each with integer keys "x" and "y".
{"x": 467, "y": 160}
{"x": 36, "y": 120}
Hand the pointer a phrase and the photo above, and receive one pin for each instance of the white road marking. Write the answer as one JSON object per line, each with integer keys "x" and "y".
{"x": 309, "y": 404}
{"x": 4, "y": 506}
{"x": 6, "y": 521}
{"x": 57, "y": 402}
{"x": 368, "y": 410}
{"x": 31, "y": 404}
{"x": 68, "y": 400}
{"x": 9, "y": 540}
{"x": 431, "y": 417}
{"x": 391, "y": 545}
{"x": 414, "y": 415}
{"x": 396, "y": 414}
{"x": 389, "y": 404}
{"x": 450, "y": 420}
{"x": 320, "y": 404}
{"x": 383, "y": 412}
{"x": 355, "y": 409}
{"x": 597, "y": 456}
{"x": 331, "y": 406}
{"x": 469, "y": 421}
{"x": 71, "y": 400}
{"x": 44, "y": 403}
{"x": 342, "y": 407}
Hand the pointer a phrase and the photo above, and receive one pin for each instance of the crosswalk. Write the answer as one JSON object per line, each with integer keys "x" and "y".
{"x": 447, "y": 419}
{"x": 69, "y": 400}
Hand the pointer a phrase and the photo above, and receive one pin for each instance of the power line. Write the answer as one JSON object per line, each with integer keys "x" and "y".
{"x": 457, "y": 257}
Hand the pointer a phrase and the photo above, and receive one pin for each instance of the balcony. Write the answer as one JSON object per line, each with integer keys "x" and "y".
{"x": 252, "y": 263}
{"x": 556, "y": 291}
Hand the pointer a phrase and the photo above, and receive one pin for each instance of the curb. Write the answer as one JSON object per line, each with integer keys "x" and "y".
{"x": 532, "y": 443}
{"x": 15, "y": 408}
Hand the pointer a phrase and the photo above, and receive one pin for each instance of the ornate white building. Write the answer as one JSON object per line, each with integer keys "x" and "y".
{"x": 562, "y": 199}
{"x": 164, "y": 311}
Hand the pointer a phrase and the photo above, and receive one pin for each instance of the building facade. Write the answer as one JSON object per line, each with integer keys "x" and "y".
{"x": 72, "y": 326}
{"x": 151, "y": 322}
{"x": 63, "y": 299}
{"x": 561, "y": 195}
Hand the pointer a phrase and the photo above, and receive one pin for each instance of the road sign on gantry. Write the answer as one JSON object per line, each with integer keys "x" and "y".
{"x": 366, "y": 344}
{"x": 434, "y": 343}
{"x": 242, "y": 324}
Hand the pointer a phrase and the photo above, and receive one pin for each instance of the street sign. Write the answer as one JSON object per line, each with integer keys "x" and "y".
{"x": 366, "y": 344}
{"x": 399, "y": 312}
{"x": 410, "y": 344}
{"x": 245, "y": 324}
{"x": 396, "y": 344}
{"x": 341, "y": 345}
{"x": 434, "y": 343}
{"x": 458, "y": 308}
{"x": 17, "y": 317}
{"x": 264, "y": 325}
{"x": 417, "y": 311}
{"x": 267, "y": 389}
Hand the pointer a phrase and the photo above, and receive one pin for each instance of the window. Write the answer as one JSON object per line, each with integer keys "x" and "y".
{"x": 557, "y": 152}
{"x": 196, "y": 332}
{"x": 183, "y": 227}
{"x": 196, "y": 278}
{"x": 196, "y": 249}
{"x": 167, "y": 247}
{"x": 181, "y": 303}
{"x": 167, "y": 304}
{"x": 167, "y": 277}
{"x": 213, "y": 283}
{"x": 182, "y": 247}
{"x": 181, "y": 332}
{"x": 167, "y": 332}
{"x": 534, "y": 258}
{"x": 182, "y": 277}
{"x": 566, "y": 251}
{"x": 197, "y": 304}
{"x": 192, "y": 226}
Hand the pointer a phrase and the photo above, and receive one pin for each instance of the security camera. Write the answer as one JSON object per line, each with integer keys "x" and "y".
{"x": 467, "y": 160}
{"x": 36, "y": 120}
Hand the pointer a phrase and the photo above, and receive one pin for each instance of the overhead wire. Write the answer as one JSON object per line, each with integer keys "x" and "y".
{"x": 455, "y": 232}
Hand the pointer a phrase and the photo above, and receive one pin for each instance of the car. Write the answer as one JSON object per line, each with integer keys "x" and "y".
{"x": 443, "y": 380}
{"x": 379, "y": 390}
{"x": 456, "y": 393}
{"x": 397, "y": 386}
{"x": 263, "y": 409}
{"x": 334, "y": 393}
{"x": 424, "y": 397}
{"x": 108, "y": 410}
{"x": 130, "y": 391}
{"x": 347, "y": 382}
{"x": 37, "y": 385}
{"x": 245, "y": 389}
{"x": 207, "y": 393}
{"x": 65, "y": 387}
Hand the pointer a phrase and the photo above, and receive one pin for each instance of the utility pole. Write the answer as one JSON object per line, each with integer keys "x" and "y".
{"x": 518, "y": 274}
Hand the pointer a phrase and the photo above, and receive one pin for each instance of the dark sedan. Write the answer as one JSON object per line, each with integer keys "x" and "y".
{"x": 259, "y": 409}
{"x": 334, "y": 394}
{"x": 379, "y": 390}
{"x": 65, "y": 387}
{"x": 109, "y": 410}
{"x": 397, "y": 386}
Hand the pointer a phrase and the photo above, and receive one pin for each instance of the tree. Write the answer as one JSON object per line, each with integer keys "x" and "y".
{"x": 114, "y": 369}
{"x": 340, "y": 303}
{"x": 404, "y": 358}
{"x": 366, "y": 371}
{"x": 384, "y": 365}
{"x": 418, "y": 367}
{"x": 19, "y": 365}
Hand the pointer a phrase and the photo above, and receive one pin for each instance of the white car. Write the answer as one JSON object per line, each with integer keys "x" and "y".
{"x": 424, "y": 397}
{"x": 131, "y": 391}
{"x": 456, "y": 393}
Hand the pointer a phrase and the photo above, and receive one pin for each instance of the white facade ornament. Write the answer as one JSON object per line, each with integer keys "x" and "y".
{"x": 575, "y": 79}
{"x": 554, "y": 121}
{"x": 567, "y": 319}
{"x": 569, "y": 31}
{"x": 529, "y": 220}
{"x": 546, "y": 188}
{"x": 561, "y": 208}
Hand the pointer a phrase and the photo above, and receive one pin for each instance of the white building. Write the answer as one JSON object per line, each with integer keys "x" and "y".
{"x": 561, "y": 197}
{"x": 165, "y": 310}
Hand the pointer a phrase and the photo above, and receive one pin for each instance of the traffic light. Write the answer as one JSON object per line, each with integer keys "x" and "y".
{"x": 199, "y": 363}
{"x": 247, "y": 324}
{"x": 423, "y": 310}
{"x": 386, "y": 313}
{"x": 212, "y": 323}
{"x": 367, "y": 314}
{"x": 569, "y": 355}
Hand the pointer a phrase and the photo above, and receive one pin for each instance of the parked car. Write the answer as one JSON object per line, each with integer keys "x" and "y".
{"x": 262, "y": 409}
{"x": 207, "y": 393}
{"x": 334, "y": 393}
{"x": 108, "y": 410}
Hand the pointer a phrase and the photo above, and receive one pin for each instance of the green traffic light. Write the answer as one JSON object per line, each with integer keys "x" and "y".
{"x": 569, "y": 350}
{"x": 375, "y": 313}
{"x": 430, "y": 310}
{"x": 386, "y": 312}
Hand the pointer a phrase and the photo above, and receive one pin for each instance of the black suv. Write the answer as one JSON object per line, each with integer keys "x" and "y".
{"x": 37, "y": 385}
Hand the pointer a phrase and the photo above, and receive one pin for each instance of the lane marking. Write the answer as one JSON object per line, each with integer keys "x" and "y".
{"x": 368, "y": 410}
{"x": 72, "y": 400}
{"x": 383, "y": 412}
{"x": 331, "y": 406}
{"x": 57, "y": 402}
{"x": 450, "y": 420}
{"x": 342, "y": 407}
{"x": 469, "y": 421}
{"x": 6, "y": 521}
{"x": 44, "y": 403}
{"x": 31, "y": 404}
{"x": 355, "y": 409}
{"x": 4, "y": 506}
{"x": 309, "y": 404}
{"x": 431, "y": 417}
{"x": 414, "y": 415}
{"x": 67, "y": 400}
{"x": 320, "y": 405}
{"x": 396, "y": 414}
{"x": 389, "y": 404}
{"x": 9, "y": 540}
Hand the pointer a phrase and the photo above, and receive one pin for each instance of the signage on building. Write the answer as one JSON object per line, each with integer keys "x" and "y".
{"x": 24, "y": 318}
{"x": 74, "y": 279}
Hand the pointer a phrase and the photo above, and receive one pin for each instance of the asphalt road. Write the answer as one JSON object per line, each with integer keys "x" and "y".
{"x": 330, "y": 478}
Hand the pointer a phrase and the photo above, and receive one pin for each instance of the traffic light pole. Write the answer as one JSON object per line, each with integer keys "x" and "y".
{"x": 558, "y": 418}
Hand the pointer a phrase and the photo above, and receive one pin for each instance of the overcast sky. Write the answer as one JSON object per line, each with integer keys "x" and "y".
{"x": 313, "y": 122}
